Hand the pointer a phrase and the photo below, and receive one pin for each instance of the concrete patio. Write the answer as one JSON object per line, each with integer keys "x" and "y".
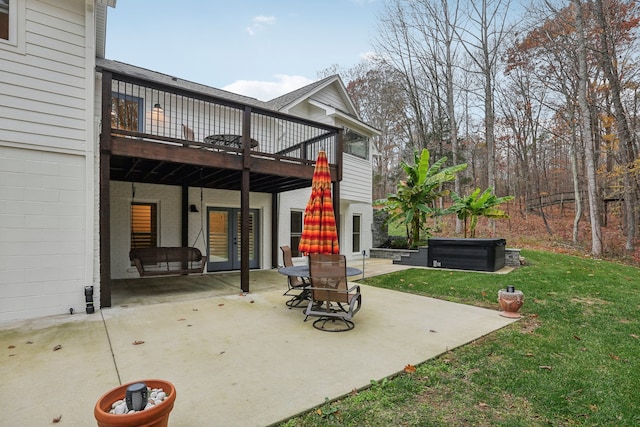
{"x": 235, "y": 360}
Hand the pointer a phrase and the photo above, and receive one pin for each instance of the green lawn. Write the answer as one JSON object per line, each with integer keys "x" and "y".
{"x": 573, "y": 359}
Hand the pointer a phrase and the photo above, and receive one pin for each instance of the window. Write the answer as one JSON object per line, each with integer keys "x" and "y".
{"x": 356, "y": 233}
{"x": 144, "y": 225}
{"x": 356, "y": 144}
{"x": 296, "y": 232}
{"x": 127, "y": 112}
{"x": 12, "y": 25}
{"x": 4, "y": 19}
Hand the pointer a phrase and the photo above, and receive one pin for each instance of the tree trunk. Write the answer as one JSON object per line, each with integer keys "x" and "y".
{"x": 609, "y": 61}
{"x": 583, "y": 81}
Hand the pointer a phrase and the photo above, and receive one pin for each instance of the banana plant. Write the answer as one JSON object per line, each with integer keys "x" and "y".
{"x": 414, "y": 199}
{"x": 477, "y": 205}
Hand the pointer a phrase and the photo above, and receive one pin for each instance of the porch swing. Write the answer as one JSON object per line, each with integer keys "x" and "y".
{"x": 166, "y": 260}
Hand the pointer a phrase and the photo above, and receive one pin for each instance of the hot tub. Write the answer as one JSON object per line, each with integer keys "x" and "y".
{"x": 466, "y": 254}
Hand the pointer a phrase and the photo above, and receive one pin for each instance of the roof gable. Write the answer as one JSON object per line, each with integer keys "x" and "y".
{"x": 314, "y": 90}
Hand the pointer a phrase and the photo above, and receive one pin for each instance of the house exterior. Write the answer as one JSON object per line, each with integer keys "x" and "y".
{"x": 97, "y": 157}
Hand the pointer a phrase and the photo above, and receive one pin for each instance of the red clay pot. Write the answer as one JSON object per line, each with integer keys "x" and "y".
{"x": 152, "y": 417}
{"x": 510, "y": 302}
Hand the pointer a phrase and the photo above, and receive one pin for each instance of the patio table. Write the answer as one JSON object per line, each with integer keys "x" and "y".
{"x": 228, "y": 140}
{"x": 303, "y": 271}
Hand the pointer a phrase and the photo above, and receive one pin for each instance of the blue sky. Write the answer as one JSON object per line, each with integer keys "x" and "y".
{"x": 259, "y": 48}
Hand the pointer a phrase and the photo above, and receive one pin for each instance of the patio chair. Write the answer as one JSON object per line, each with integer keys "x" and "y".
{"x": 297, "y": 285}
{"x": 187, "y": 133}
{"x": 331, "y": 300}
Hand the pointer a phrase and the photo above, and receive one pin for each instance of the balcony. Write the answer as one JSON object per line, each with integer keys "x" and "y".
{"x": 166, "y": 131}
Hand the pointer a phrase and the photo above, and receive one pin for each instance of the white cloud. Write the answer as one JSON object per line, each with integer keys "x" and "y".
{"x": 265, "y": 91}
{"x": 259, "y": 22}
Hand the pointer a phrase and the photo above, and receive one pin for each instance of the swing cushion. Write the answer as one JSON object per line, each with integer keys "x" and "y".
{"x": 163, "y": 261}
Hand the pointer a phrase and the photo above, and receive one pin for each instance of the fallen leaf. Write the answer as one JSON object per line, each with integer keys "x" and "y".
{"x": 593, "y": 407}
{"x": 195, "y": 309}
{"x": 220, "y": 305}
{"x": 251, "y": 302}
{"x": 528, "y": 355}
{"x": 433, "y": 330}
{"x": 11, "y": 355}
{"x": 484, "y": 294}
{"x": 634, "y": 336}
{"x": 409, "y": 369}
{"x": 29, "y": 342}
{"x": 483, "y": 405}
{"x": 12, "y": 346}
{"x": 548, "y": 368}
{"x": 181, "y": 319}
{"x": 354, "y": 392}
{"x": 576, "y": 337}
{"x": 57, "y": 347}
{"x": 614, "y": 357}
{"x": 583, "y": 349}
{"x": 188, "y": 326}
{"x": 137, "y": 342}
{"x": 56, "y": 419}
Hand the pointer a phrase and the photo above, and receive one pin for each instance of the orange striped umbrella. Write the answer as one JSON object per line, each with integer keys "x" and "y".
{"x": 319, "y": 233}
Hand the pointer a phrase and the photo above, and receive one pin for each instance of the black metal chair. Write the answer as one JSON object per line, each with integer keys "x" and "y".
{"x": 297, "y": 285}
{"x": 331, "y": 300}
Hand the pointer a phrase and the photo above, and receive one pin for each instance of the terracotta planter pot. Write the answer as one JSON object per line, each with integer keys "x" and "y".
{"x": 152, "y": 417}
{"x": 510, "y": 303}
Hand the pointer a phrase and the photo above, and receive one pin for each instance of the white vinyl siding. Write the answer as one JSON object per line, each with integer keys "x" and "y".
{"x": 43, "y": 93}
{"x": 356, "y": 182}
{"x": 331, "y": 96}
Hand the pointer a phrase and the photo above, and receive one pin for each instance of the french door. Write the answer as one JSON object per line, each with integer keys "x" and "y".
{"x": 223, "y": 228}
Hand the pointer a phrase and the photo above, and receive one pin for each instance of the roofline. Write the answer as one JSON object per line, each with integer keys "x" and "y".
{"x": 329, "y": 81}
{"x": 344, "y": 116}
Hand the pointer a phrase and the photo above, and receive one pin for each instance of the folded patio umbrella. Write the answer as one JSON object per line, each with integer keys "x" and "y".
{"x": 319, "y": 233}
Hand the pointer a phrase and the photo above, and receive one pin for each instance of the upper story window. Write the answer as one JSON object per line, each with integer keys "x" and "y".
{"x": 4, "y": 19}
{"x": 356, "y": 144}
{"x": 127, "y": 112}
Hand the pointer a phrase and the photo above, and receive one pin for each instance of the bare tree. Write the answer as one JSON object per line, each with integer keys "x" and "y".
{"x": 585, "y": 121}
{"x": 482, "y": 39}
{"x": 609, "y": 61}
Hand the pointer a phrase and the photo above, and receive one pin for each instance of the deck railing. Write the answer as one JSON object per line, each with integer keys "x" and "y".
{"x": 152, "y": 111}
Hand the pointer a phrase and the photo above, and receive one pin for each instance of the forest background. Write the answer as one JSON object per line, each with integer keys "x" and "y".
{"x": 540, "y": 99}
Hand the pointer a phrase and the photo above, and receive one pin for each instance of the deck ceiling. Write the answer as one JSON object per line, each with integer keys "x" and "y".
{"x": 180, "y": 174}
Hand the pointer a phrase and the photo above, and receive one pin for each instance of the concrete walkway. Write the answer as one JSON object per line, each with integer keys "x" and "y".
{"x": 235, "y": 360}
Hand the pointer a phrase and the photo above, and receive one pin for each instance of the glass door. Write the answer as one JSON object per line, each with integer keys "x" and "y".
{"x": 223, "y": 225}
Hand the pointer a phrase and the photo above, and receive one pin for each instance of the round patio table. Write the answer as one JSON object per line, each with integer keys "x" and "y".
{"x": 303, "y": 271}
